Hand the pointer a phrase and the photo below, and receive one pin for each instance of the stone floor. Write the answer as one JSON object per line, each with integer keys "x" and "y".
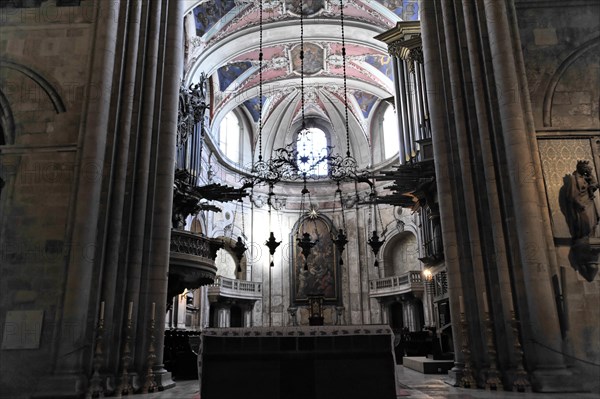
{"x": 412, "y": 384}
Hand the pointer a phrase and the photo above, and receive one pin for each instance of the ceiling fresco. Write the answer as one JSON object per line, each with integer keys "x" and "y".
{"x": 230, "y": 72}
{"x": 234, "y": 25}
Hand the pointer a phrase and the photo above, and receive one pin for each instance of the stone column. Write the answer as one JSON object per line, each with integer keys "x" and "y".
{"x": 501, "y": 302}
{"x": 538, "y": 314}
{"x": 164, "y": 164}
{"x": 224, "y": 316}
{"x": 114, "y": 263}
{"x": 75, "y": 325}
{"x": 433, "y": 63}
{"x": 247, "y": 315}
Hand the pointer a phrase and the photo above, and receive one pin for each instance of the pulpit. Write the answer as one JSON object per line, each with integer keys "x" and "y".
{"x": 308, "y": 362}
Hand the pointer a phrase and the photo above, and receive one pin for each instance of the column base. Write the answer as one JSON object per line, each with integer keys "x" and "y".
{"x": 163, "y": 378}
{"x": 62, "y": 386}
{"x": 454, "y": 376}
{"x": 556, "y": 380}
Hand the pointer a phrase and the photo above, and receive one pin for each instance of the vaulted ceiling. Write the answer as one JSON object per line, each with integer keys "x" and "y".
{"x": 223, "y": 42}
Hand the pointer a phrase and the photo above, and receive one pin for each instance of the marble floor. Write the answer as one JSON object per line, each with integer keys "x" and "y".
{"x": 411, "y": 384}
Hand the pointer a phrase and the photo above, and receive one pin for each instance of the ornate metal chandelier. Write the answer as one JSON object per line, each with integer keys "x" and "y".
{"x": 287, "y": 163}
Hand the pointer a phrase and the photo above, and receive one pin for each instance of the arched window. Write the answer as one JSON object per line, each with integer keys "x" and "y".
{"x": 312, "y": 147}
{"x": 229, "y": 136}
{"x": 389, "y": 130}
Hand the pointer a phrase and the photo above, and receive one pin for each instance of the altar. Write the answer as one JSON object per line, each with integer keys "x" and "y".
{"x": 300, "y": 362}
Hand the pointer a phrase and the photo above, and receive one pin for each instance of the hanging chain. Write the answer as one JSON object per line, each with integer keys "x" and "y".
{"x": 302, "y": 60}
{"x": 380, "y": 219}
{"x": 341, "y": 207}
{"x": 302, "y": 200}
{"x": 260, "y": 82}
{"x": 371, "y": 216}
{"x": 345, "y": 78}
{"x": 233, "y": 221}
{"x": 243, "y": 222}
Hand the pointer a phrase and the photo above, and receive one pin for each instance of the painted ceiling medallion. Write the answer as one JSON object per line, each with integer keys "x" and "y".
{"x": 314, "y": 59}
{"x": 311, "y": 7}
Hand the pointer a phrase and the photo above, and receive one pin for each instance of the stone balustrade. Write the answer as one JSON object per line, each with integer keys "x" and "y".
{"x": 394, "y": 285}
{"x": 232, "y": 288}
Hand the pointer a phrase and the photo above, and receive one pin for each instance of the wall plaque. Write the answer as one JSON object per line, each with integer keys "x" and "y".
{"x": 22, "y": 329}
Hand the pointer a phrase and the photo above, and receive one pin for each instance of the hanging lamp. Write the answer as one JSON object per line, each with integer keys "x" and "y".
{"x": 374, "y": 241}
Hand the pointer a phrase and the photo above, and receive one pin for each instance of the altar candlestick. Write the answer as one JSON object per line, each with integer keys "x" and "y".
{"x": 485, "y": 303}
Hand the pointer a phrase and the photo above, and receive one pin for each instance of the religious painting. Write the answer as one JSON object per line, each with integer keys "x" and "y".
{"x": 314, "y": 59}
{"x": 407, "y": 10}
{"x": 209, "y": 13}
{"x": 310, "y": 7}
{"x": 365, "y": 101}
{"x": 383, "y": 63}
{"x": 318, "y": 273}
{"x": 230, "y": 72}
{"x": 254, "y": 107}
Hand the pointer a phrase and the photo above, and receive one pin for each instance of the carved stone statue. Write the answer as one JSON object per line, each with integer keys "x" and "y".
{"x": 578, "y": 204}
{"x": 582, "y": 213}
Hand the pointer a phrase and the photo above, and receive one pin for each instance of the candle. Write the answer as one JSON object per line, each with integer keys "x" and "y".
{"x": 153, "y": 310}
{"x": 102, "y": 310}
{"x": 130, "y": 310}
{"x": 485, "y": 303}
{"x": 461, "y": 304}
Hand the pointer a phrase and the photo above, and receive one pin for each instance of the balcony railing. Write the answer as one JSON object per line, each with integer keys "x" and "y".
{"x": 394, "y": 285}
{"x": 231, "y": 288}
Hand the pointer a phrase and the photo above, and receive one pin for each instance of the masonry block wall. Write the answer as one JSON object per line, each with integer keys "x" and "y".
{"x": 89, "y": 103}
{"x": 561, "y": 48}
{"x": 44, "y": 67}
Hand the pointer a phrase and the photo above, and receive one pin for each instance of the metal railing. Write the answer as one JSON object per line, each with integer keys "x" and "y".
{"x": 188, "y": 243}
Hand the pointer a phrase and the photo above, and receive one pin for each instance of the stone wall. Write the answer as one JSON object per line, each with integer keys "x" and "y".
{"x": 561, "y": 47}
{"x": 358, "y": 260}
{"x": 44, "y": 66}
{"x": 89, "y": 105}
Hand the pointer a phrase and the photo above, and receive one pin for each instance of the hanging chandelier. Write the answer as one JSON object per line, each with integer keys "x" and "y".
{"x": 289, "y": 164}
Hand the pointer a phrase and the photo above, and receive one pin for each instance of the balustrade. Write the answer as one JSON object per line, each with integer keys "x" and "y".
{"x": 233, "y": 288}
{"x": 411, "y": 281}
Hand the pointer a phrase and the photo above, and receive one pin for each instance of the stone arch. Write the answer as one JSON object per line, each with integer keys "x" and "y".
{"x": 400, "y": 253}
{"x": 229, "y": 253}
{"x": 7, "y": 119}
{"x": 48, "y": 88}
{"x": 549, "y": 95}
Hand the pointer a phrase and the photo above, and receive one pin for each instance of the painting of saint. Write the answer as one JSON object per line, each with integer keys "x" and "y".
{"x": 320, "y": 276}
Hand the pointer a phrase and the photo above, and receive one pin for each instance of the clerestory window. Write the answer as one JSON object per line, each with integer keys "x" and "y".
{"x": 389, "y": 127}
{"x": 312, "y": 149}
{"x": 229, "y": 136}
